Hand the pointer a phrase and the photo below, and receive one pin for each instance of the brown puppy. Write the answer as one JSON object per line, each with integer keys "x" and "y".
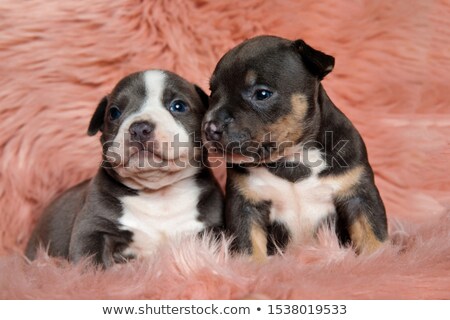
{"x": 294, "y": 159}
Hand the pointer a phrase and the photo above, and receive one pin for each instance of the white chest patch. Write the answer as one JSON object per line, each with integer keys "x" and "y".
{"x": 301, "y": 206}
{"x": 154, "y": 217}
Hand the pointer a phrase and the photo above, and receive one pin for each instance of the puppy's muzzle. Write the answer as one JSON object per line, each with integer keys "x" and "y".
{"x": 142, "y": 131}
{"x": 213, "y": 131}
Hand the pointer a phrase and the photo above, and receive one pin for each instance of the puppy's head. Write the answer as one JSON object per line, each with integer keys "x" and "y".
{"x": 150, "y": 125}
{"x": 264, "y": 99}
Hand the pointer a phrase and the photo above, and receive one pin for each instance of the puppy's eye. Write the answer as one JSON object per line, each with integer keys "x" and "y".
{"x": 262, "y": 94}
{"x": 114, "y": 113}
{"x": 178, "y": 106}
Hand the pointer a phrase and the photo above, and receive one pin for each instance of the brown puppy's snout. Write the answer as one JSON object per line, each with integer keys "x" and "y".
{"x": 216, "y": 127}
{"x": 141, "y": 131}
{"x": 213, "y": 130}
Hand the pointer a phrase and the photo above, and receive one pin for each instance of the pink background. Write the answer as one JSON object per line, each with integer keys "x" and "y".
{"x": 392, "y": 75}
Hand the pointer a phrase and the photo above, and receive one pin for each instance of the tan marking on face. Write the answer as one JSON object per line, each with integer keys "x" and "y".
{"x": 289, "y": 128}
{"x": 259, "y": 243}
{"x": 363, "y": 238}
{"x": 250, "y": 78}
{"x": 345, "y": 183}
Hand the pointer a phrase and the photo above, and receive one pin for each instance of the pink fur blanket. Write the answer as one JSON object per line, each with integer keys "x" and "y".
{"x": 392, "y": 75}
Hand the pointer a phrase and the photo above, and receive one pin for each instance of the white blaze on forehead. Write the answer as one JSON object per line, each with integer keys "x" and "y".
{"x": 154, "y": 81}
{"x": 154, "y": 110}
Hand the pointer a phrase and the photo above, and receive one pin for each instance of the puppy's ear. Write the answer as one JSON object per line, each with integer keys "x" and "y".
{"x": 203, "y": 96}
{"x": 96, "y": 123}
{"x": 317, "y": 62}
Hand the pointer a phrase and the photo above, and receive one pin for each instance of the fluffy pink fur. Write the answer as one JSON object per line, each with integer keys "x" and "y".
{"x": 58, "y": 58}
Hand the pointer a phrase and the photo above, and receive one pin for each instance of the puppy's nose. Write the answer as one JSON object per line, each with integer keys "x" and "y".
{"x": 213, "y": 131}
{"x": 141, "y": 131}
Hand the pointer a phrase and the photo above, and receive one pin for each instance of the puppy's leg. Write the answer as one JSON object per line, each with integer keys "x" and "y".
{"x": 278, "y": 238}
{"x": 363, "y": 236}
{"x": 363, "y": 216}
{"x": 96, "y": 245}
{"x": 246, "y": 218}
{"x": 99, "y": 238}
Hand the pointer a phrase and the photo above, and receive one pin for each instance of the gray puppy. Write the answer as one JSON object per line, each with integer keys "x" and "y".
{"x": 153, "y": 183}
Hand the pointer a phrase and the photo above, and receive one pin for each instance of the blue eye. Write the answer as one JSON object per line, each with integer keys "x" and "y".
{"x": 178, "y": 106}
{"x": 262, "y": 94}
{"x": 114, "y": 113}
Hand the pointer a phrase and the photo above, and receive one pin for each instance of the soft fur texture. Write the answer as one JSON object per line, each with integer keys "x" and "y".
{"x": 58, "y": 58}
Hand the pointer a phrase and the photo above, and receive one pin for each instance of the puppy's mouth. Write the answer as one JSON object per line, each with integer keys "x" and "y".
{"x": 242, "y": 152}
{"x": 148, "y": 151}
{"x": 155, "y": 155}
{"x": 136, "y": 157}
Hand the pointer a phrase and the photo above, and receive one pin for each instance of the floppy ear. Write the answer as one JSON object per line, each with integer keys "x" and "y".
{"x": 96, "y": 123}
{"x": 203, "y": 96}
{"x": 317, "y": 62}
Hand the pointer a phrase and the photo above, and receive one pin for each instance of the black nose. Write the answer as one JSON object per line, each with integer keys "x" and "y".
{"x": 213, "y": 131}
{"x": 141, "y": 131}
